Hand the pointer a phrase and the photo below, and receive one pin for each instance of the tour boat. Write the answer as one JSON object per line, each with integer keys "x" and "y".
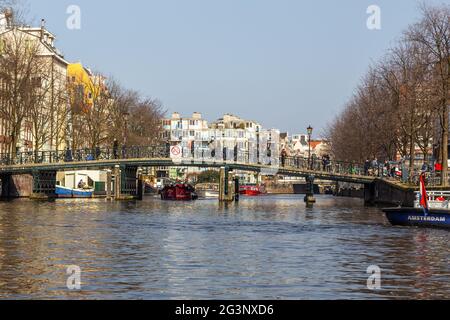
{"x": 207, "y": 190}
{"x": 179, "y": 192}
{"x": 252, "y": 190}
{"x": 430, "y": 210}
{"x": 64, "y": 192}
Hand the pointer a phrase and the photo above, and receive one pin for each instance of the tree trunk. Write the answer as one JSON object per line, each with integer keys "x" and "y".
{"x": 444, "y": 147}
{"x": 412, "y": 156}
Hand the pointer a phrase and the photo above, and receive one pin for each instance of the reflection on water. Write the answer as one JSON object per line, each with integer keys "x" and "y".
{"x": 261, "y": 248}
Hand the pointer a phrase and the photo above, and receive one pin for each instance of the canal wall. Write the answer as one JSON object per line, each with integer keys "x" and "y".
{"x": 348, "y": 190}
{"x": 301, "y": 188}
{"x": 16, "y": 186}
{"x": 280, "y": 188}
{"x": 383, "y": 192}
{"x": 297, "y": 188}
{"x": 351, "y": 193}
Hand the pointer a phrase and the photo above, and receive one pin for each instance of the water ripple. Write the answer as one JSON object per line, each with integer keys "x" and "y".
{"x": 260, "y": 248}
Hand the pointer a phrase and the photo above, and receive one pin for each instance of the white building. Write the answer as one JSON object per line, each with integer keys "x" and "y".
{"x": 229, "y": 138}
{"x": 298, "y": 145}
{"x": 52, "y": 81}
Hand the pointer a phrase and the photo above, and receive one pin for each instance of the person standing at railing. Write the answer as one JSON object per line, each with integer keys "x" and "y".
{"x": 97, "y": 153}
{"x": 283, "y": 157}
{"x": 375, "y": 167}
{"x": 366, "y": 167}
{"x": 68, "y": 156}
{"x": 387, "y": 169}
{"x": 116, "y": 149}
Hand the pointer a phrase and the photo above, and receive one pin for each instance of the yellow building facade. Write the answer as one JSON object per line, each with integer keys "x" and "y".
{"x": 81, "y": 87}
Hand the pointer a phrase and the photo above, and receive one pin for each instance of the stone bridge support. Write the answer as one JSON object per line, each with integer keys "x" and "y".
{"x": 38, "y": 185}
{"x": 128, "y": 183}
{"x": 381, "y": 192}
{"x": 228, "y": 186}
{"x": 309, "y": 197}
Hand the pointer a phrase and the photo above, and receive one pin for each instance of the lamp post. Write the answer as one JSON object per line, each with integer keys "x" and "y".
{"x": 125, "y": 134}
{"x": 125, "y": 131}
{"x": 257, "y": 145}
{"x": 309, "y": 198}
{"x": 310, "y": 132}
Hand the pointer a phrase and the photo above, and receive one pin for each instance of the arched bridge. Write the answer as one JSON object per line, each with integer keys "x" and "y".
{"x": 42, "y": 166}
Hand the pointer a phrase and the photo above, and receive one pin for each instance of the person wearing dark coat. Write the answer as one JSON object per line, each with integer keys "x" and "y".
{"x": 116, "y": 149}
{"x": 68, "y": 156}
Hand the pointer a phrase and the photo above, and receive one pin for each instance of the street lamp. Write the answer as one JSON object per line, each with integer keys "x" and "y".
{"x": 257, "y": 145}
{"x": 125, "y": 131}
{"x": 310, "y": 132}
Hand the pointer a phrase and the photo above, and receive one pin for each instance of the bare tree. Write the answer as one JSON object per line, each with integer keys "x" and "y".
{"x": 432, "y": 33}
{"x": 19, "y": 66}
{"x": 49, "y": 111}
{"x": 396, "y": 107}
{"x": 145, "y": 122}
{"x": 405, "y": 75}
{"x": 133, "y": 120}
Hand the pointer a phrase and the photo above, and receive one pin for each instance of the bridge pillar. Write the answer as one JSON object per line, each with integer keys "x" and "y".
{"x": 16, "y": 186}
{"x": 309, "y": 197}
{"x": 6, "y": 181}
{"x": 236, "y": 189}
{"x": 226, "y": 185}
{"x": 140, "y": 185}
{"x": 370, "y": 194}
{"x": 117, "y": 182}
{"x": 109, "y": 185}
{"x": 44, "y": 185}
{"x": 126, "y": 183}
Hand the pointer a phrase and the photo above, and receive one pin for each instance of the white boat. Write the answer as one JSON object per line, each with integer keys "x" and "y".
{"x": 207, "y": 190}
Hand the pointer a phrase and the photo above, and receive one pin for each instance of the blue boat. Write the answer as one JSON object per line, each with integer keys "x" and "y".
{"x": 416, "y": 217}
{"x": 430, "y": 210}
{"x": 63, "y": 192}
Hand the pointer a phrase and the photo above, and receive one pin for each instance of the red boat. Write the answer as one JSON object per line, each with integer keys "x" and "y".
{"x": 179, "y": 192}
{"x": 252, "y": 190}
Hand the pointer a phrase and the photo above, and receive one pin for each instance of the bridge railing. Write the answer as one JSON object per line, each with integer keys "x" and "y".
{"x": 198, "y": 155}
{"x": 81, "y": 155}
{"x": 323, "y": 165}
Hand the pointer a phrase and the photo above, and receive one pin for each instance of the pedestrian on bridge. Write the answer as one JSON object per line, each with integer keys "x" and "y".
{"x": 283, "y": 157}
{"x": 68, "y": 156}
{"x": 116, "y": 149}
{"x": 366, "y": 167}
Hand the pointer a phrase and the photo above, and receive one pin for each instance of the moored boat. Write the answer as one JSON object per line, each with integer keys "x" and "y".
{"x": 207, "y": 190}
{"x": 416, "y": 217}
{"x": 179, "y": 192}
{"x": 252, "y": 190}
{"x": 64, "y": 192}
{"x": 430, "y": 210}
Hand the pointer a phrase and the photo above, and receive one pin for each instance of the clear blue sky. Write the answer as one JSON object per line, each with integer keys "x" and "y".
{"x": 284, "y": 63}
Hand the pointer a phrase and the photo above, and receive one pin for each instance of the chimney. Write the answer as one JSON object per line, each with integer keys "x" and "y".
{"x": 197, "y": 116}
{"x": 42, "y": 28}
{"x": 176, "y": 116}
{"x": 7, "y": 15}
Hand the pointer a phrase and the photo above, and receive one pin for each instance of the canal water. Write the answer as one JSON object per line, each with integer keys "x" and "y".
{"x": 261, "y": 248}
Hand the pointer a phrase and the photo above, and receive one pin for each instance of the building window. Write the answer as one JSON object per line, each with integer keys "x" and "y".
{"x": 36, "y": 82}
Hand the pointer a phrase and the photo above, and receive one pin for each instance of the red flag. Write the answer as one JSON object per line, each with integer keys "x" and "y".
{"x": 423, "y": 193}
